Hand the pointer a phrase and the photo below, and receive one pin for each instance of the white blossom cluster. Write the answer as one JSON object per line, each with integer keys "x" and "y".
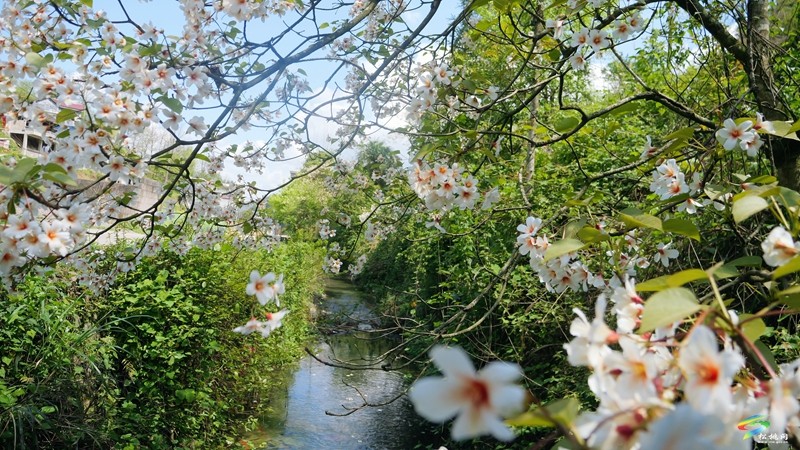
{"x": 266, "y": 289}
{"x": 639, "y": 378}
{"x": 443, "y": 187}
{"x": 744, "y": 135}
{"x": 558, "y": 274}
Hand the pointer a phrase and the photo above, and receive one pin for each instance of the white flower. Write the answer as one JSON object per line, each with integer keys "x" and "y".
{"x": 731, "y": 133}
{"x": 479, "y": 399}
{"x": 762, "y": 124}
{"x": 708, "y": 372}
{"x": 252, "y": 325}
{"x": 557, "y": 26}
{"x": 598, "y": 40}
{"x": 779, "y": 247}
{"x": 664, "y": 254}
{"x": 260, "y": 286}
{"x": 685, "y": 428}
{"x": 580, "y": 38}
{"x": 649, "y": 149}
{"x": 490, "y": 198}
{"x": 577, "y": 61}
{"x": 274, "y": 321}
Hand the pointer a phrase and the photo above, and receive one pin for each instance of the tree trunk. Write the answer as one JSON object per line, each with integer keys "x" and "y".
{"x": 784, "y": 152}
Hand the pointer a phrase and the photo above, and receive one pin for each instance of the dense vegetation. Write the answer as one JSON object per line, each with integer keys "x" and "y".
{"x": 152, "y": 362}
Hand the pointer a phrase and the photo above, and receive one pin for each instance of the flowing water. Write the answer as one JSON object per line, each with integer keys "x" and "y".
{"x": 304, "y": 415}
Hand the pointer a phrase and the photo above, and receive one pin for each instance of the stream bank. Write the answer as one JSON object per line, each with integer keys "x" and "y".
{"x": 319, "y": 406}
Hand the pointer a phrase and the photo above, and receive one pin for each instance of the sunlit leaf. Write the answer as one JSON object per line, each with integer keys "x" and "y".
{"x": 635, "y": 218}
{"x": 561, "y": 412}
{"x": 667, "y": 307}
{"x": 747, "y": 206}
{"x": 682, "y": 227}
{"x": 561, "y": 248}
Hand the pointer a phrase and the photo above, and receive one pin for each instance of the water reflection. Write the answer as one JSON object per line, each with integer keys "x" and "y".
{"x": 299, "y": 420}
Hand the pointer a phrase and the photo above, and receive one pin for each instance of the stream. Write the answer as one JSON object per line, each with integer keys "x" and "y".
{"x": 298, "y": 419}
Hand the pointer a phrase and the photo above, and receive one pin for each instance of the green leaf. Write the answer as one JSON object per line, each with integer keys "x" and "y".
{"x": 747, "y": 206}
{"x": 635, "y": 218}
{"x": 562, "y": 412}
{"x": 566, "y": 124}
{"x": 767, "y": 354}
{"x": 562, "y": 248}
{"x": 783, "y": 129}
{"x": 683, "y": 133}
{"x": 795, "y": 127}
{"x": 624, "y": 109}
{"x": 683, "y": 227}
{"x": 667, "y": 307}
{"x": 35, "y": 60}
{"x": 674, "y": 280}
{"x": 686, "y": 276}
{"x": 654, "y": 284}
{"x": 61, "y": 178}
{"x": 477, "y": 4}
{"x": 591, "y": 235}
{"x": 54, "y": 168}
{"x": 752, "y": 329}
{"x": 747, "y": 261}
{"x": 792, "y": 266}
{"x": 790, "y": 297}
{"x": 572, "y": 228}
{"x": 24, "y": 168}
{"x": 172, "y": 103}
{"x": 65, "y": 115}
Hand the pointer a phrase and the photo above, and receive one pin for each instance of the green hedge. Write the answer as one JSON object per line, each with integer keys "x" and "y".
{"x": 153, "y": 363}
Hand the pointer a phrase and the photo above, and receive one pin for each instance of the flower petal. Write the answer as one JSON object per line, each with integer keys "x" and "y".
{"x": 497, "y": 428}
{"x": 436, "y": 398}
{"x": 468, "y": 425}
{"x": 500, "y": 372}
{"x": 452, "y": 361}
{"x": 507, "y": 400}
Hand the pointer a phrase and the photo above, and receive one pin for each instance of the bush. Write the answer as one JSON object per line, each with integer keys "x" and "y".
{"x": 153, "y": 363}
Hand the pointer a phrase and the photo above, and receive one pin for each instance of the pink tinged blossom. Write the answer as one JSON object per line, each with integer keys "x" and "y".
{"x": 260, "y": 286}
{"x": 251, "y": 326}
{"x": 530, "y": 227}
{"x": 116, "y": 169}
{"x": 598, "y": 40}
{"x": 577, "y": 61}
{"x": 479, "y": 399}
{"x": 664, "y": 254}
{"x": 687, "y": 428}
{"x": 763, "y": 125}
{"x": 708, "y": 371}
{"x": 277, "y": 289}
{"x": 591, "y": 341}
{"x": 9, "y": 258}
{"x": 274, "y": 321}
{"x": 731, "y": 134}
{"x": 19, "y": 226}
{"x": 689, "y": 205}
{"x": 783, "y": 392}
{"x": 557, "y": 26}
{"x": 622, "y": 31}
{"x": 580, "y": 38}
{"x": 779, "y": 247}
{"x": 56, "y": 239}
{"x": 490, "y": 199}
{"x": 752, "y": 145}
{"x": 649, "y": 149}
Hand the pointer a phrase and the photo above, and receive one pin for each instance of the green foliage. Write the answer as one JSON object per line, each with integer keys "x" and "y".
{"x": 153, "y": 363}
